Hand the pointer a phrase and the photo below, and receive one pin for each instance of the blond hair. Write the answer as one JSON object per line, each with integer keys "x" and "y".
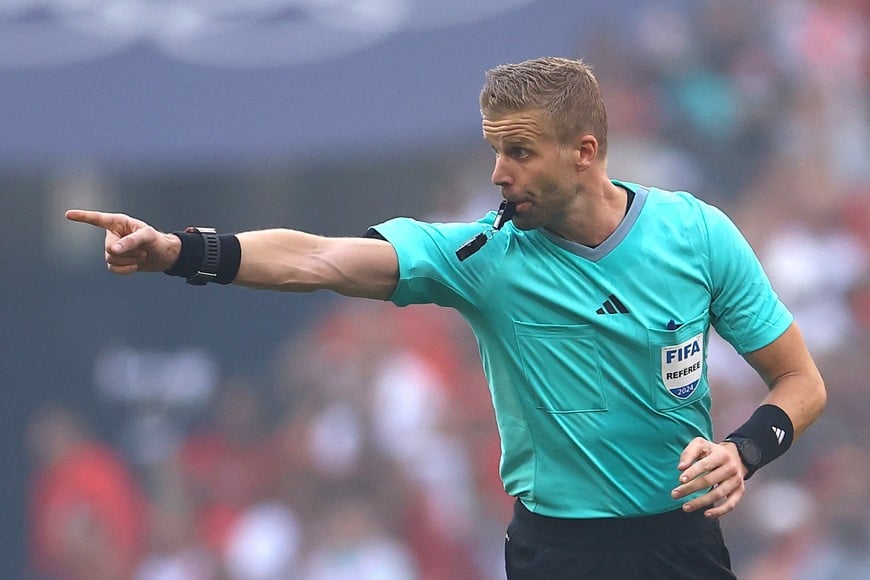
{"x": 564, "y": 90}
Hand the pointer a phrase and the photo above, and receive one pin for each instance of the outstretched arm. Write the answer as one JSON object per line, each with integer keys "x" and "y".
{"x": 796, "y": 387}
{"x": 278, "y": 259}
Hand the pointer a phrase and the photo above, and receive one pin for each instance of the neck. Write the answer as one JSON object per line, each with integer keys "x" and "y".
{"x": 596, "y": 214}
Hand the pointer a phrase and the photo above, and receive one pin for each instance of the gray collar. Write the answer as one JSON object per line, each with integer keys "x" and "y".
{"x": 604, "y": 248}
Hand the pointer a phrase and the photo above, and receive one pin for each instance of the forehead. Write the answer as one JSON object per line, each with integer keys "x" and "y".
{"x": 520, "y": 126}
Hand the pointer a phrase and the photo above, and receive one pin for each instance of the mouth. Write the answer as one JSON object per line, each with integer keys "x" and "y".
{"x": 521, "y": 206}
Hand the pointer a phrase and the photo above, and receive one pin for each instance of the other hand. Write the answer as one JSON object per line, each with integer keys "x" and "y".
{"x": 131, "y": 244}
{"x": 716, "y": 467}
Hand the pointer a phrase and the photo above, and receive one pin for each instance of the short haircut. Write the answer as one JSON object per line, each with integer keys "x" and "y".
{"x": 564, "y": 90}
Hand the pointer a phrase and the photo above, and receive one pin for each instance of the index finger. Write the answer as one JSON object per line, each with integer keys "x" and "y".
{"x": 117, "y": 223}
{"x": 94, "y": 218}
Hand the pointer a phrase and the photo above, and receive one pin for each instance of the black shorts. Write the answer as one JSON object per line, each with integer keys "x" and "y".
{"x": 669, "y": 546}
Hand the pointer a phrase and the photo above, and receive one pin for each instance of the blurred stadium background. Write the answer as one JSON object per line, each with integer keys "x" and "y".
{"x": 157, "y": 431}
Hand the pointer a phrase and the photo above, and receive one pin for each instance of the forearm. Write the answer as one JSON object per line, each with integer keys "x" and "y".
{"x": 801, "y": 395}
{"x": 280, "y": 259}
{"x": 294, "y": 261}
{"x": 794, "y": 381}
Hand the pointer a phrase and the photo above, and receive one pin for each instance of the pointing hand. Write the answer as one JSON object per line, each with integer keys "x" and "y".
{"x": 131, "y": 244}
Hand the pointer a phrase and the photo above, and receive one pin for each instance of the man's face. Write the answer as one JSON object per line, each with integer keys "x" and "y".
{"x": 532, "y": 169}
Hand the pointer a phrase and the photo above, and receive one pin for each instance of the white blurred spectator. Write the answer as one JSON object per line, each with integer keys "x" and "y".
{"x": 335, "y": 438}
{"x": 812, "y": 270}
{"x": 264, "y": 544}
{"x": 354, "y": 547}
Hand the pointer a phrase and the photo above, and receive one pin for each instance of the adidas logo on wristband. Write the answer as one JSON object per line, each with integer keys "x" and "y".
{"x": 778, "y": 433}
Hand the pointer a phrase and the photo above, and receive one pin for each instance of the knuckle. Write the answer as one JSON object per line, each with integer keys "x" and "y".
{"x": 732, "y": 469}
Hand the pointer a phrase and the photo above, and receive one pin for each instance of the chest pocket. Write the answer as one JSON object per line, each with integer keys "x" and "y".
{"x": 678, "y": 359}
{"x": 560, "y": 367}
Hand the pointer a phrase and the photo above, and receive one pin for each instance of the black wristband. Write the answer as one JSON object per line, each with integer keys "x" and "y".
{"x": 769, "y": 431}
{"x": 192, "y": 257}
{"x": 231, "y": 258}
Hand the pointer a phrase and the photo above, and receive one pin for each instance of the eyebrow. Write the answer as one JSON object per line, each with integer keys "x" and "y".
{"x": 512, "y": 140}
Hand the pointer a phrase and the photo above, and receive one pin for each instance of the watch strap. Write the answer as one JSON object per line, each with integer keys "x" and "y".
{"x": 211, "y": 257}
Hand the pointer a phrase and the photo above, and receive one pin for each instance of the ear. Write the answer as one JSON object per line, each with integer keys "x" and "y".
{"x": 585, "y": 151}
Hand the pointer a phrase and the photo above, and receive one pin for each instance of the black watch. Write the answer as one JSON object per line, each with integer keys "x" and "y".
{"x": 749, "y": 453}
{"x": 211, "y": 257}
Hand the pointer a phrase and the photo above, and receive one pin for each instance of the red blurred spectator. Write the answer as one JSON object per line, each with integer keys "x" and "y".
{"x": 86, "y": 512}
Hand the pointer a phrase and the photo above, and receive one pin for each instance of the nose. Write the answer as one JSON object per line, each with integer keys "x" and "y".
{"x": 500, "y": 175}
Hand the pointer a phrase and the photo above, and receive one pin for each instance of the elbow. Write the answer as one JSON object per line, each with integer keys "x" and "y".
{"x": 821, "y": 396}
{"x": 814, "y": 396}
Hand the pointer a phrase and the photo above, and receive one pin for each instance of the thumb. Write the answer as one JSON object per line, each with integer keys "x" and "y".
{"x": 130, "y": 243}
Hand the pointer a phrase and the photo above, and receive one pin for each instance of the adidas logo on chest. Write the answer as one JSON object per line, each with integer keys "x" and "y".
{"x": 612, "y": 306}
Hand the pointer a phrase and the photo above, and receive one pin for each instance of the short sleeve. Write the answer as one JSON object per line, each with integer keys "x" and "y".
{"x": 429, "y": 271}
{"x": 745, "y": 309}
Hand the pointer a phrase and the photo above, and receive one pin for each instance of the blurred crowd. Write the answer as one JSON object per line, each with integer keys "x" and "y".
{"x": 367, "y": 448}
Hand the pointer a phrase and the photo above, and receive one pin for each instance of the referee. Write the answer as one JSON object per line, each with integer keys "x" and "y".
{"x": 591, "y": 300}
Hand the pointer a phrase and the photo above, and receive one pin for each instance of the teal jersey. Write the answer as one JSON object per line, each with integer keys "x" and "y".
{"x": 596, "y": 357}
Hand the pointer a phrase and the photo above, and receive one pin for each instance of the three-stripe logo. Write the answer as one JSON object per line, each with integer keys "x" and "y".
{"x": 779, "y": 433}
{"x": 612, "y": 306}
